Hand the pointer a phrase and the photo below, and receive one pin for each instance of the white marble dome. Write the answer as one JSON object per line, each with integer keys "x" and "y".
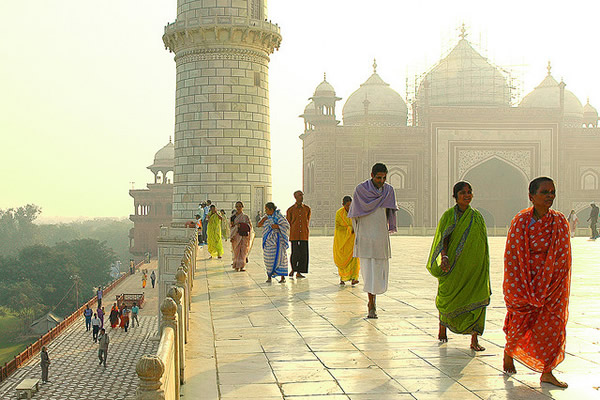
{"x": 324, "y": 89}
{"x": 310, "y": 109}
{"x": 375, "y": 103}
{"x": 165, "y": 156}
{"x": 464, "y": 78}
{"x": 547, "y": 95}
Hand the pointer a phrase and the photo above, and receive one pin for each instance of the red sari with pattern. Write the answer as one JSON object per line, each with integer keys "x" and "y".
{"x": 537, "y": 280}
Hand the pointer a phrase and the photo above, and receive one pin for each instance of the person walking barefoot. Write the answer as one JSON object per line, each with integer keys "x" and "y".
{"x": 537, "y": 280}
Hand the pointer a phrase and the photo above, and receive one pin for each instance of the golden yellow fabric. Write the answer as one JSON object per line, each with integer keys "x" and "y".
{"x": 343, "y": 247}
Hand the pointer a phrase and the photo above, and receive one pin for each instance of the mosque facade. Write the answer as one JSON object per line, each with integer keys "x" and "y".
{"x": 464, "y": 127}
{"x": 153, "y": 205}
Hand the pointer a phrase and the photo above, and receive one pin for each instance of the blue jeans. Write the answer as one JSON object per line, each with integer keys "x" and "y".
{"x": 88, "y": 322}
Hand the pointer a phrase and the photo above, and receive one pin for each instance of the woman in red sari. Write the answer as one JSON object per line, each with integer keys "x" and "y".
{"x": 537, "y": 279}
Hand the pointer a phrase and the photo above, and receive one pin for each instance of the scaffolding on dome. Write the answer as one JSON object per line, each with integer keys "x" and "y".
{"x": 463, "y": 77}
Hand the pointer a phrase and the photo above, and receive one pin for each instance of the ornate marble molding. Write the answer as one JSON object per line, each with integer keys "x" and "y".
{"x": 222, "y": 53}
{"x": 261, "y": 37}
{"x": 584, "y": 168}
{"x": 408, "y": 206}
{"x": 469, "y": 158}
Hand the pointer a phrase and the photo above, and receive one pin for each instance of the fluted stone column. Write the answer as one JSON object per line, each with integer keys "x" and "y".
{"x": 222, "y": 139}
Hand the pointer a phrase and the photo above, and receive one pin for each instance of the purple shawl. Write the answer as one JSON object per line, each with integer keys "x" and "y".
{"x": 367, "y": 199}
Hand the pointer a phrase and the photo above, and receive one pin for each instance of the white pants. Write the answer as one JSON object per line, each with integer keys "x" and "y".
{"x": 375, "y": 273}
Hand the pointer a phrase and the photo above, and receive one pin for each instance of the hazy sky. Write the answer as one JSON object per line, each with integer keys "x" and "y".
{"x": 87, "y": 90}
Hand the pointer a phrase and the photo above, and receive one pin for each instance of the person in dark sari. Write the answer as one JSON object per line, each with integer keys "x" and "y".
{"x": 113, "y": 317}
{"x": 460, "y": 260}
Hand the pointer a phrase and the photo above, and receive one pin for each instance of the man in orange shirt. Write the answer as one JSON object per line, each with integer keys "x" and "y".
{"x": 298, "y": 216}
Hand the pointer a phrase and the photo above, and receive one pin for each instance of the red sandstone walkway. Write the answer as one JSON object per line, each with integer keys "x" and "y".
{"x": 75, "y": 373}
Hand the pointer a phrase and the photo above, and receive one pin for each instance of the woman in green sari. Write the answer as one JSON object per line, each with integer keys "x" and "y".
{"x": 460, "y": 260}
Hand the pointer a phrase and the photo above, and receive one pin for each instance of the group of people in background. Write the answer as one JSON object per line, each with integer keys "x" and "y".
{"x": 592, "y": 219}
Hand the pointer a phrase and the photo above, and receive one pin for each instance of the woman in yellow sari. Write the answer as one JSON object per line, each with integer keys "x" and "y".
{"x": 215, "y": 242}
{"x": 343, "y": 245}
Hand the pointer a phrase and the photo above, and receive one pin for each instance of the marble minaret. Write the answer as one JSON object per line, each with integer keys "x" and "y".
{"x": 222, "y": 140}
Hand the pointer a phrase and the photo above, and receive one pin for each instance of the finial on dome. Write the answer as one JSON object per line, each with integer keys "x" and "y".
{"x": 374, "y": 65}
{"x": 549, "y": 67}
{"x": 588, "y": 100}
{"x": 169, "y": 138}
{"x": 463, "y": 31}
{"x": 324, "y": 76}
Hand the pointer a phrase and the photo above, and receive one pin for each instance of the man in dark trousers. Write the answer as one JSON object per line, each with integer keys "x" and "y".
{"x": 298, "y": 216}
{"x": 594, "y": 221}
{"x": 45, "y": 363}
{"x": 103, "y": 342}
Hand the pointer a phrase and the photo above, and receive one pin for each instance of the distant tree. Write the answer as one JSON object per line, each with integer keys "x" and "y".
{"x": 21, "y": 296}
{"x": 91, "y": 261}
{"x": 17, "y": 229}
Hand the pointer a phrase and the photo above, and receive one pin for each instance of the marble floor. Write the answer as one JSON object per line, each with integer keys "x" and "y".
{"x": 309, "y": 338}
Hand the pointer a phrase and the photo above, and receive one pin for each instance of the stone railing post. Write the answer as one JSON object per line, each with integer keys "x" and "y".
{"x": 168, "y": 309}
{"x": 150, "y": 370}
{"x": 181, "y": 281}
{"x": 177, "y": 295}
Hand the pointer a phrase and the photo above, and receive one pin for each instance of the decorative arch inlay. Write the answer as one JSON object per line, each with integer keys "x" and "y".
{"x": 521, "y": 159}
{"x": 408, "y": 206}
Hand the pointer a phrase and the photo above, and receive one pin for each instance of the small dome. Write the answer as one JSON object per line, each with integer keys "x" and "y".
{"x": 464, "y": 78}
{"x": 310, "y": 109}
{"x": 547, "y": 95}
{"x": 375, "y": 102}
{"x": 167, "y": 153}
{"x": 589, "y": 110}
{"x": 324, "y": 89}
{"x": 164, "y": 159}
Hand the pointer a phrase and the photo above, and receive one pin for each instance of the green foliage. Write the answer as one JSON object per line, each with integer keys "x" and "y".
{"x": 114, "y": 232}
{"x": 41, "y": 277}
{"x": 40, "y": 263}
{"x": 17, "y": 228}
{"x": 12, "y": 341}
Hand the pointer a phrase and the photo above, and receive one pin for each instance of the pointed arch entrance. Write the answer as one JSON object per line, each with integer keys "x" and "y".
{"x": 403, "y": 218}
{"x": 499, "y": 188}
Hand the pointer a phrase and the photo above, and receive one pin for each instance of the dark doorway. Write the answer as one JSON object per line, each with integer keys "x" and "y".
{"x": 498, "y": 188}
{"x": 403, "y": 218}
{"x": 487, "y": 216}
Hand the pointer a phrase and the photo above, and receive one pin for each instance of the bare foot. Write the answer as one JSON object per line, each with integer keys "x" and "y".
{"x": 268, "y": 280}
{"x": 548, "y": 377}
{"x": 354, "y": 281}
{"x": 342, "y": 283}
{"x": 291, "y": 273}
{"x": 442, "y": 336}
{"x": 282, "y": 279}
{"x": 477, "y": 347}
{"x": 299, "y": 275}
{"x": 475, "y": 343}
{"x": 509, "y": 364}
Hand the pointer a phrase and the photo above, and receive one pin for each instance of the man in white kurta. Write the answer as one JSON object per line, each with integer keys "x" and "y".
{"x": 372, "y": 246}
{"x": 373, "y": 217}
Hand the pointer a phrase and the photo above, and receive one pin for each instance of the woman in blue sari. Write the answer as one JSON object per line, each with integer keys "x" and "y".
{"x": 275, "y": 242}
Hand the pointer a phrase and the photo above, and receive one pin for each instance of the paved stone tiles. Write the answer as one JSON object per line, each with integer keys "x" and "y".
{"x": 75, "y": 373}
{"x": 308, "y": 339}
